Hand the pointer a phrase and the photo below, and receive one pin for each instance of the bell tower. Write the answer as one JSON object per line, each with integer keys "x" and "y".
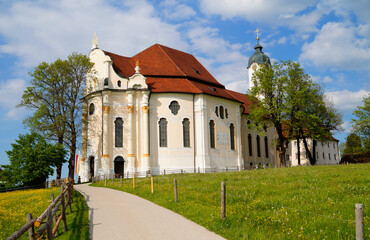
{"x": 256, "y": 60}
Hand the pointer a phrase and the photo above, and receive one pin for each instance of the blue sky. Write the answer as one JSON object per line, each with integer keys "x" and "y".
{"x": 330, "y": 38}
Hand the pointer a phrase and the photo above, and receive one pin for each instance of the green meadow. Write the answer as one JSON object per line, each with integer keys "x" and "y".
{"x": 14, "y": 207}
{"x": 315, "y": 202}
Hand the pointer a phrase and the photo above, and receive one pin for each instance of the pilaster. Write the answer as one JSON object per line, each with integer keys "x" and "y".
{"x": 145, "y": 163}
{"x": 130, "y": 139}
{"x": 202, "y": 158}
{"x": 105, "y": 157}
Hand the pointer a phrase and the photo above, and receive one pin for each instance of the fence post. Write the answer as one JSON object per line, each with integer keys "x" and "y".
{"x": 198, "y": 169}
{"x": 214, "y": 170}
{"x": 223, "y": 198}
{"x": 63, "y": 212}
{"x": 70, "y": 196}
{"x": 105, "y": 180}
{"x": 55, "y": 216}
{"x": 133, "y": 180}
{"x": 175, "y": 188}
{"x": 152, "y": 183}
{"x": 227, "y": 168}
{"x": 359, "y": 221}
{"x": 128, "y": 173}
{"x": 164, "y": 171}
{"x": 121, "y": 180}
{"x": 113, "y": 179}
{"x": 182, "y": 171}
{"x": 31, "y": 230}
{"x": 50, "y": 225}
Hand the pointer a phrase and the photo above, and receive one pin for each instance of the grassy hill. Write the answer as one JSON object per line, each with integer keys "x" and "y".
{"x": 289, "y": 203}
{"x": 14, "y": 207}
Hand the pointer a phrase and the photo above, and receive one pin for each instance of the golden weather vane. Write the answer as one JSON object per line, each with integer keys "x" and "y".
{"x": 257, "y": 30}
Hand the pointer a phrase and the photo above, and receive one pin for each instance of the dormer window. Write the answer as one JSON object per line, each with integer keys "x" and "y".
{"x": 119, "y": 83}
{"x": 196, "y": 71}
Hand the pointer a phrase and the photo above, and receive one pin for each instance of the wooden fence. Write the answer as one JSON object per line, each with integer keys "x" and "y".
{"x": 48, "y": 222}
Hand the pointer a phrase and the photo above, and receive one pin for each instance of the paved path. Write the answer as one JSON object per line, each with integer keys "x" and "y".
{"x": 119, "y": 215}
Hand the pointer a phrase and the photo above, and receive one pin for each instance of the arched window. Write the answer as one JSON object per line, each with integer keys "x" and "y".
{"x": 212, "y": 133}
{"x": 258, "y": 146}
{"x": 174, "y": 107}
{"x": 91, "y": 108}
{"x": 163, "y": 132}
{"x": 249, "y": 124}
{"x": 226, "y": 113}
{"x": 250, "y": 144}
{"x": 266, "y": 147}
{"x": 119, "y": 83}
{"x": 232, "y": 137}
{"x": 222, "y": 112}
{"x": 216, "y": 111}
{"x": 186, "y": 132}
{"x": 118, "y": 129}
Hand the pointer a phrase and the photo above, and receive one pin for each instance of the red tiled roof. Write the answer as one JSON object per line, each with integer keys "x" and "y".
{"x": 245, "y": 99}
{"x": 180, "y": 85}
{"x": 170, "y": 70}
{"x": 159, "y": 60}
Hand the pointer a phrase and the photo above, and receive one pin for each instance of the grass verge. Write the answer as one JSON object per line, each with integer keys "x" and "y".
{"x": 289, "y": 203}
{"x": 14, "y": 207}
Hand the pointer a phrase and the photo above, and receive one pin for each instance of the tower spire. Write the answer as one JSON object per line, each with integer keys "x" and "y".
{"x": 94, "y": 42}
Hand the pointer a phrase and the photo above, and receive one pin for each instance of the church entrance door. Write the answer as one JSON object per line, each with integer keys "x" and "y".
{"x": 119, "y": 164}
{"x": 91, "y": 163}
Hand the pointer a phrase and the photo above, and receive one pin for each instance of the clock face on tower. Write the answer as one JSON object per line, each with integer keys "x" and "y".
{"x": 254, "y": 66}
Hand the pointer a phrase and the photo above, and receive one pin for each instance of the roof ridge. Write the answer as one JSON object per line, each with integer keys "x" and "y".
{"x": 160, "y": 46}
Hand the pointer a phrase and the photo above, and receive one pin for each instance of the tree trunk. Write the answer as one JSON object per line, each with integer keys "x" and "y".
{"x": 59, "y": 167}
{"x": 314, "y": 142}
{"x": 299, "y": 150}
{"x": 71, "y": 162}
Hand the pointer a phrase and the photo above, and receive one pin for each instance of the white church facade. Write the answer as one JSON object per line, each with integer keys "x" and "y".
{"x": 161, "y": 110}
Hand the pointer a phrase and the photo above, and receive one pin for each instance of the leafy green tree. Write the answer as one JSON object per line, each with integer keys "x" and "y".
{"x": 54, "y": 96}
{"x": 32, "y": 160}
{"x": 353, "y": 144}
{"x": 361, "y": 125}
{"x": 287, "y": 99}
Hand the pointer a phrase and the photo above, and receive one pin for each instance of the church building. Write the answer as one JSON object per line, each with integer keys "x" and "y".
{"x": 161, "y": 110}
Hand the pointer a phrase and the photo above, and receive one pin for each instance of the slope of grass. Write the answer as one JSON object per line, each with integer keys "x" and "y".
{"x": 293, "y": 203}
{"x": 14, "y": 207}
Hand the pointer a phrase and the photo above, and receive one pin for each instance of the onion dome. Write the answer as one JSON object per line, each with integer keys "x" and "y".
{"x": 258, "y": 56}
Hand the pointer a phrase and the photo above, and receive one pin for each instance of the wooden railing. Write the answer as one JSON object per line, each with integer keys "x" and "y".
{"x": 48, "y": 222}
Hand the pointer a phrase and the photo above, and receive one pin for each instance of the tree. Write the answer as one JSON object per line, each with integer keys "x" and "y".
{"x": 361, "y": 125}
{"x": 32, "y": 160}
{"x": 54, "y": 95}
{"x": 287, "y": 99}
{"x": 353, "y": 144}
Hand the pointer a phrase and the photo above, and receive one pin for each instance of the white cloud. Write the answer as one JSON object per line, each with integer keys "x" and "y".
{"x": 40, "y": 30}
{"x": 346, "y": 100}
{"x": 336, "y": 45}
{"x": 223, "y": 59}
{"x": 176, "y": 11}
{"x": 11, "y": 92}
{"x": 346, "y": 125}
{"x": 272, "y": 12}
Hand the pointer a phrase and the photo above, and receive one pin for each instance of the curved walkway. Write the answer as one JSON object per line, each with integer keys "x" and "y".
{"x": 119, "y": 215}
